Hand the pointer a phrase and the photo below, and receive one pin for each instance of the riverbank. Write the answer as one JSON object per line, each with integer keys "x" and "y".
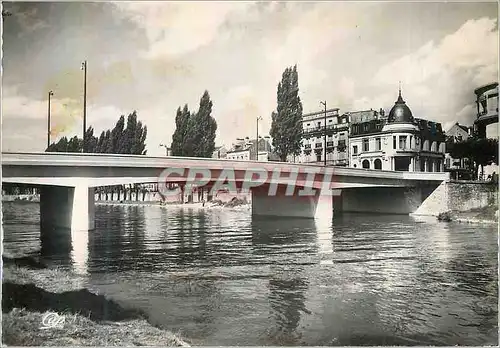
{"x": 484, "y": 215}
{"x": 30, "y": 292}
{"x": 235, "y": 204}
{"x": 21, "y": 198}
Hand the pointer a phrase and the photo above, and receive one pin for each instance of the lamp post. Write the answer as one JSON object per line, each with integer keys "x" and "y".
{"x": 257, "y": 140}
{"x": 84, "y": 68}
{"x": 48, "y": 120}
{"x": 324, "y": 133}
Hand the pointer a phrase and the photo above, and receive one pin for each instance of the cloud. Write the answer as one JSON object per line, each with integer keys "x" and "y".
{"x": 66, "y": 115}
{"x": 156, "y": 56}
{"x": 177, "y": 28}
{"x": 440, "y": 77}
{"x": 30, "y": 21}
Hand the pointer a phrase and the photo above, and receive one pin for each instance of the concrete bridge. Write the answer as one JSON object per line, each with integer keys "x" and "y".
{"x": 67, "y": 182}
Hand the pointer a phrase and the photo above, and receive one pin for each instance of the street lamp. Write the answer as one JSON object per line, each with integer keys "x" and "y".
{"x": 166, "y": 148}
{"x": 257, "y": 140}
{"x": 84, "y": 68}
{"x": 324, "y": 133}
{"x": 48, "y": 120}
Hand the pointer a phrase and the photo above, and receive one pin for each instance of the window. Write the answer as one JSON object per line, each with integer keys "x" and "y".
{"x": 378, "y": 142}
{"x": 319, "y": 124}
{"x": 308, "y": 124}
{"x": 394, "y": 142}
{"x": 417, "y": 141}
{"x": 433, "y": 146}
{"x": 330, "y": 121}
{"x": 366, "y": 145}
{"x": 355, "y": 149}
{"x": 318, "y": 157}
{"x": 402, "y": 142}
{"x": 377, "y": 164}
{"x": 366, "y": 164}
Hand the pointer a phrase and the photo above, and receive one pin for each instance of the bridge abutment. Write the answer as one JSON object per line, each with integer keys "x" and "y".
{"x": 67, "y": 208}
{"x": 382, "y": 200}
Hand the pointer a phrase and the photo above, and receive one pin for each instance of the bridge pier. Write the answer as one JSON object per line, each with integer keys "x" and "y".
{"x": 295, "y": 205}
{"x": 64, "y": 207}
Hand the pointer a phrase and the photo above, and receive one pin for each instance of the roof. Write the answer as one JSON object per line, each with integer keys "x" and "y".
{"x": 240, "y": 150}
{"x": 465, "y": 128}
{"x": 400, "y": 112}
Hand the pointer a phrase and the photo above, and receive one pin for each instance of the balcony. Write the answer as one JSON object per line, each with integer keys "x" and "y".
{"x": 340, "y": 162}
{"x": 406, "y": 149}
{"x": 332, "y": 128}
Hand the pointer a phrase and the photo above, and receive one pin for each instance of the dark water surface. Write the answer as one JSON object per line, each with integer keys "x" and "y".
{"x": 222, "y": 278}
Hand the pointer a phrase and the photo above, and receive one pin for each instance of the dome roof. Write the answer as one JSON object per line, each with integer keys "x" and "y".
{"x": 400, "y": 112}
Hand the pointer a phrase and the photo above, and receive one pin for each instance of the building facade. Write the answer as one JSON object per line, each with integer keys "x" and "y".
{"x": 487, "y": 108}
{"x": 398, "y": 142}
{"x": 245, "y": 150}
{"x": 457, "y": 166}
{"x": 220, "y": 152}
{"x": 324, "y": 134}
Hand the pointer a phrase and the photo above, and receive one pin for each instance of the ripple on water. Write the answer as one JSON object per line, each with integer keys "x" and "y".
{"x": 223, "y": 278}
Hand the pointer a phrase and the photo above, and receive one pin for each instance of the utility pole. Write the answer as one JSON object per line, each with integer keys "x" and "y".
{"x": 257, "y": 140}
{"x": 324, "y": 133}
{"x": 48, "y": 120}
{"x": 84, "y": 68}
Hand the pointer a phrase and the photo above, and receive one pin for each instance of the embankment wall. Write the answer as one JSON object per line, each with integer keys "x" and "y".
{"x": 459, "y": 196}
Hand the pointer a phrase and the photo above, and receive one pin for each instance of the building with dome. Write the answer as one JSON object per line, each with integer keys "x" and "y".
{"x": 398, "y": 142}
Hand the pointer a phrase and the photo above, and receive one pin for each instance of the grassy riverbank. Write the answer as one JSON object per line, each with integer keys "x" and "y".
{"x": 31, "y": 292}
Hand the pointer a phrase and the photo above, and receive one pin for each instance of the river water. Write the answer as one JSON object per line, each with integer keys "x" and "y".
{"x": 222, "y": 278}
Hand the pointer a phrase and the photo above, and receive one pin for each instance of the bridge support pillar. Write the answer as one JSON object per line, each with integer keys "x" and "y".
{"x": 382, "y": 200}
{"x": 282, "y": 205}
{"x": 67, "y": 208}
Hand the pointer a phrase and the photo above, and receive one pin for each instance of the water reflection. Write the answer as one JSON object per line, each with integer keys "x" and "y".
{"x": 287, "y": 298}
{"x": 224, "y": 278}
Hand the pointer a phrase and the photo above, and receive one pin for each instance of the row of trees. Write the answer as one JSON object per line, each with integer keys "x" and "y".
{"x": 194, "y": 134}
{"x": 122, "y": 139}
{"x": 479, "y": 152}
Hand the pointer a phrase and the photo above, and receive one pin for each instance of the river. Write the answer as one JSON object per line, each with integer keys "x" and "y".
{"x": 222, "y": 278}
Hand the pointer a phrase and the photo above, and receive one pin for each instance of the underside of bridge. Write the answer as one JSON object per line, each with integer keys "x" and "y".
{"x": 382, "y": 200}
{"x": 74, "y": 208}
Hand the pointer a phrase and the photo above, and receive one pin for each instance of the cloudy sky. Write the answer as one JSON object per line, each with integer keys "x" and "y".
{"x": 156, "y": 56}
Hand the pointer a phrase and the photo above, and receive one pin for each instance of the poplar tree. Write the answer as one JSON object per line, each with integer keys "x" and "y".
{"x": 286, "y": 126}
{"x": 205, "y": 127}
{"x": 178, "y": 146}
